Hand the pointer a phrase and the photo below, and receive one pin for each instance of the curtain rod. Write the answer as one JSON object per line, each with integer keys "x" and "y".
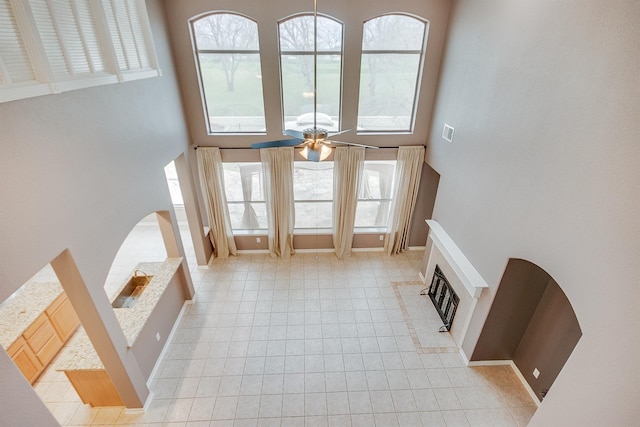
{"x": 195, "y": 147}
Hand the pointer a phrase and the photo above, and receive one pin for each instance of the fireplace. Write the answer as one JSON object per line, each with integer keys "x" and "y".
{"x": 444, "y": 298}
{"x": 456, "y": 286}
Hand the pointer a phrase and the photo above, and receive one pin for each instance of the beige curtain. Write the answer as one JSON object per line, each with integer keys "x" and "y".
{"x": 212, "y": 184}
{"x": 348, "y": 166}
{"x": 277, "y": 168}
{"x": 407, "y": 180}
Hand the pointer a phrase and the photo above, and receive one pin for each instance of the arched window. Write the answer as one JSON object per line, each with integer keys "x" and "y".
{"x": 296, "y": 37}
{"x": 228, "y": 59}
{"x": 393, "y": 49}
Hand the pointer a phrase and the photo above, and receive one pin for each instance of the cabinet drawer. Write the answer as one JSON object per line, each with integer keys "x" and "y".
{"x": 38, "y": 338}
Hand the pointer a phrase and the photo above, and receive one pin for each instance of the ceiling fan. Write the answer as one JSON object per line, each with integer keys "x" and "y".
{"x": 314, "y": 140}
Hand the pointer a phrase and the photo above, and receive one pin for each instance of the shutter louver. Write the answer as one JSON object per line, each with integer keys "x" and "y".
{"x": 89, "y": 30}
{"x": 126, "y": 33}
{"x": 71, "y": 36}
{"x": 115, "y": 34}
{"x": 138, "y": 33}
{"x": 13, "y": 54}
{"x": 49, "y": 37}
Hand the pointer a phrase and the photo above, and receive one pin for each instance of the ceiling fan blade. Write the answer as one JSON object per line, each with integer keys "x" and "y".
{"x": 294, "y": 133}
{"x": 351, "y": 143}
{"x": 279, "y": 143}
{"x": 339, "y": 133}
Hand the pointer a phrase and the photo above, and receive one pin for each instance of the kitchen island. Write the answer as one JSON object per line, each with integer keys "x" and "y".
{"x": 140, "y": 324}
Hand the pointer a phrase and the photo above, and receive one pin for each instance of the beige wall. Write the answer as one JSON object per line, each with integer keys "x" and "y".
{"x": 544, "y": 167}
{"x": 79, "y": 170}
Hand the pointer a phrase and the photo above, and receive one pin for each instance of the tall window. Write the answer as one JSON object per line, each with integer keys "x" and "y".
{"x": 313, "y": 194}
{"x": 392, "y": 56}
{"x": 296, "y": 37}
{"x": 245, "y": 195}
{"x": 228, "y": 57}
{"x": 375, "y": 195}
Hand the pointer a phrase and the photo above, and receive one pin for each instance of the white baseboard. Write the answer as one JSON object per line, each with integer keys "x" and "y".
{"x": 524, "y": 382}
{"x": 417, "y": 248}
{"x": 422, "y": 278}
{"x": 465, "y": 359}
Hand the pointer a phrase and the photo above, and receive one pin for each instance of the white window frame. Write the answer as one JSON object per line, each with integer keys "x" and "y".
{"x": 196, "y": 57}
{"x": 421, "y": 52}
{"x": 331, "y": 126}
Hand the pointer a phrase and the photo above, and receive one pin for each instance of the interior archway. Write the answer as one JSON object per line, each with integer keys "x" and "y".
{"x": 532, "y": 323}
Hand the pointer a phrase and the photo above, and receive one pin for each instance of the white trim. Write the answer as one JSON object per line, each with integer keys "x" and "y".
{"x": 524, "y": 382}
{"x": 469, "y": 276}
{"x": 465, "y": 359}
{"x": 253, "y": 251}
{"x": 422, "y": 278}
{"x": 166, "y": 347}
{"x": 417, "y": 248}
{"x": 22, "y": 91}
{"x": 310, "y": 251}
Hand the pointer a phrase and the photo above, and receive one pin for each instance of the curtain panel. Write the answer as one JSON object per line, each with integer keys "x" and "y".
{"x": 277, "y": 167}
{"x": 348, "y": 168}
{"x": 212, "y": 184}
{"x": 407, "y": 180}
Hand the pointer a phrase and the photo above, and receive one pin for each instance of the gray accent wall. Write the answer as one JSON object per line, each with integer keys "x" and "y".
{"x": 551, "y": 336}
{"x": 544, "y": 166}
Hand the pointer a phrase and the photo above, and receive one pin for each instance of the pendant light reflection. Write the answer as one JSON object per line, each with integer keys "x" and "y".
{"x": 315, "y": 152}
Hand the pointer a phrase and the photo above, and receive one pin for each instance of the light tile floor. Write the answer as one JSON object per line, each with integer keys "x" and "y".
{"x": 308, "y": 342}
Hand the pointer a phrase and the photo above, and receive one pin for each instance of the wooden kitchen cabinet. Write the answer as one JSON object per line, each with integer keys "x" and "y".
{"x": 25, "y": 359}
{"x": 41, "y": 341}
{"x": 63, "y": 318}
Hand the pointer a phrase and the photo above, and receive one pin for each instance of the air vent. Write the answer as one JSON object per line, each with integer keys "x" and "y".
{"x": 447, "y": 132}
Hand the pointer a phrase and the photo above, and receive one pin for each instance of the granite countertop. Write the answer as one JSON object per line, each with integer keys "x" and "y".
{"x": 24, "y": 307}
{"x": 79, "y": 353}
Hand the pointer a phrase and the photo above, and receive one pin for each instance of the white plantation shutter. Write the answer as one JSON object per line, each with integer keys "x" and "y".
{"x": 89, "y": 30}
{"x": 72, "y": 39}
{"x": 49, "y": 46}
{"x": 112, "y": 23}
{"x": 15, "y": 66}
{"x": 127, "y": 34}
{"x": 138, "y": 33}
{"x": 52, "y": 44}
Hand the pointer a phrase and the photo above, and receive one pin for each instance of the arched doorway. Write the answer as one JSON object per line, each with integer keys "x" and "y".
{"x": 532, "y": 323}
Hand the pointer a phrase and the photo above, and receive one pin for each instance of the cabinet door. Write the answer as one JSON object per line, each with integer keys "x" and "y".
{"x": 49, "y": 349}
{"x": 39, "y": 333}
{"x": 64, "y": 318}
{"x": 25, "y": 360}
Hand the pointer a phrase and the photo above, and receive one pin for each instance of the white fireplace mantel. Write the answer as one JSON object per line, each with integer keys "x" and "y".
{"x": 469, "y": 276}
